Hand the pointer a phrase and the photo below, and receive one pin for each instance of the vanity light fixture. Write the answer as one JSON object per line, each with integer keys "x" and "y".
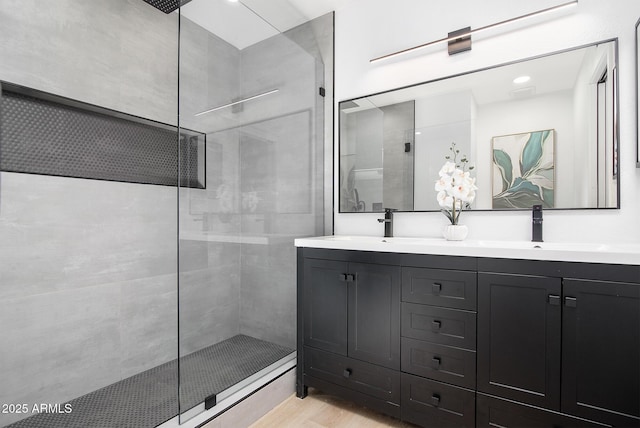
{"x": 460, "y": 40}
{"x": 238, "y": 102}
{"x": 521, "y": 79}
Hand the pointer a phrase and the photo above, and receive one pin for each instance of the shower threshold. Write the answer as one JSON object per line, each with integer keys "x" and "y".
{"x": 149, "y": 399}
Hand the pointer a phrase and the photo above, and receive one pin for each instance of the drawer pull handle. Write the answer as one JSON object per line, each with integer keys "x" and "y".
{"x": 436, "y": 288}
{"x": 553, "y": 300}
{"x": 436, "y": 325}
{"x": 571, "y": 302}
{"x": 346, "y": 373}
{"x": 435, "y": 400}
{"x": 343, "y": 277}
{"x": 436, "y": 362}
{"x": 351, "y": 277}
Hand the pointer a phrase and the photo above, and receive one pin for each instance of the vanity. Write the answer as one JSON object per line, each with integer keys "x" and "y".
{"x": 473, "y": 333}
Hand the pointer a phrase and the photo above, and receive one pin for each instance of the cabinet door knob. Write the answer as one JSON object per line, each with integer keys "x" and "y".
{"x": 436, "y": 287}
{"x": 436, "y": 362}
{"x": 346, "y": 373}
{"x": 436, "y": 324}
{"x": 571, "y": 302}
{"x": 435, "y": 400}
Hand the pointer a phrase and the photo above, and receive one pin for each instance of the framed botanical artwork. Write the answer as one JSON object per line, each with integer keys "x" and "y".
{"x": 523, "y": 170}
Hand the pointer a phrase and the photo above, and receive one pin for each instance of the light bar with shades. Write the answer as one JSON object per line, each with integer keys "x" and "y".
{"x": 460, "y": 40}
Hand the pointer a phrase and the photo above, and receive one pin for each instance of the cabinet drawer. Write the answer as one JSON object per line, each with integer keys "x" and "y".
{"x": 444, "y": 363}
{"x": 494, "y": 412}
{"x": 439, "y": 287}
{"x": 440, "y": 325}
{"x": 433, "y": 404}
{"x": 375, "y": 381}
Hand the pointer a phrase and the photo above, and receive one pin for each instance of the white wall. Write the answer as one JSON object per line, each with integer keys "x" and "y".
{"x": 441, "y": 120}
{"x": 366, "y": 29}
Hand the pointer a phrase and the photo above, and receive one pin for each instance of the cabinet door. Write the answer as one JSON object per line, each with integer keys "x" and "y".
{"x": 519, "y": 338}
{"x": 374, "y": 314}
{"x": 370, "y": 379}
{"x": 493, "y": 412}
{"x": 325, "y": 305}
{"x": 601, "y": 351}
{"x": 432, "y": 404}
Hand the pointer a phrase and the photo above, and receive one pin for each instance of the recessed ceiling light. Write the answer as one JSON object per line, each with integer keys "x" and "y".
{"x": 418, "y": 132}
{"x": 521, "y": 79}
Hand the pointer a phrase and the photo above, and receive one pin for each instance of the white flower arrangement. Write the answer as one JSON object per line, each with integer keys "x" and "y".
{"x": 456, "y": 188}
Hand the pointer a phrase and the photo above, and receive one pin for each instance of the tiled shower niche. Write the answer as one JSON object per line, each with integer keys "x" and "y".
{"x": 46, "y": 134}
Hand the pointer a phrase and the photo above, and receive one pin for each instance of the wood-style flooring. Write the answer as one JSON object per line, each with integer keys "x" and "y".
{"x": 319, "y": 410}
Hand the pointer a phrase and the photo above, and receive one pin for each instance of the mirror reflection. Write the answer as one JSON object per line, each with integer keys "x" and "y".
{"x": 537, "y": 131}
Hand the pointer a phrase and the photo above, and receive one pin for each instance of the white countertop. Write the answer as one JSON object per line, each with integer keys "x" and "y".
{"x": 628, "y": 254}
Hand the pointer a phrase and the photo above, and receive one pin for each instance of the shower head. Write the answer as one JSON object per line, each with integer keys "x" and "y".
{"x": 167, "y": 6}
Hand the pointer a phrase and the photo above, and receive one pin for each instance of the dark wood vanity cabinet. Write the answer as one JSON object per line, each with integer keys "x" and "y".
{"x": 567, "y": 346}
{"x": 350, "y": 313}
{"x": 462, "y": 341}
{"x": 359, "y": 339}
{"x": 353, "y": 309}
{"x": 438, "y": 347}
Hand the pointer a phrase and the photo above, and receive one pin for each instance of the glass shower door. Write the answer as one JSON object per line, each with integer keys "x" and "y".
{"x": 88, "y": 175}
{"x": 259, "y": 104}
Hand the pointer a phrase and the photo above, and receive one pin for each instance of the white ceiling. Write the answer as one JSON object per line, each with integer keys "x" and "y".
{"x": 247, "y": 22}
{"x": 548, "y": 74}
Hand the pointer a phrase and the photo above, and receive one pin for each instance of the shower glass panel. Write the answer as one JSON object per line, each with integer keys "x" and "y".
{"x": 255, "y": 93}
{"x": 88, "y": 221}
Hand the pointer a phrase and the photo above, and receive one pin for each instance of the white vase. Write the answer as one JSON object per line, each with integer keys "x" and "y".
{"x": 455, "y": 232}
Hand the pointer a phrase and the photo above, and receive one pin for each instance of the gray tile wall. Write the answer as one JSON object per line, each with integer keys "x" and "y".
{"x": 120, "y": 54}
{"x": 87, "y": 285}
{"x": 87, "y": 268}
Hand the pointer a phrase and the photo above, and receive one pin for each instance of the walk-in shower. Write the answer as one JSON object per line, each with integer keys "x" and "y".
{"x": 155, "y": 169}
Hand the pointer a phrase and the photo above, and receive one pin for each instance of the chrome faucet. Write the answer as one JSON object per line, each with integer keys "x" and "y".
{"x": 388, "y": 222}
{"x": 536, "y": 223}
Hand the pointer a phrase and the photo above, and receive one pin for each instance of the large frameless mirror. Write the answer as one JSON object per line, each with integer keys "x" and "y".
{"x": 541, "y": 130}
